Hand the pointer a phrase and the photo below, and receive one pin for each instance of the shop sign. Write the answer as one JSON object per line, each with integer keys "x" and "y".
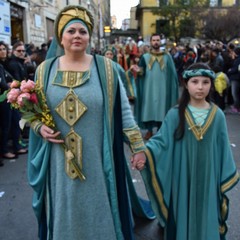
{"x": 5, "y": 18}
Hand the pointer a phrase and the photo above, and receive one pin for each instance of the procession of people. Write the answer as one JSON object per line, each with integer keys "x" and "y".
{"x": 99, "y": 102}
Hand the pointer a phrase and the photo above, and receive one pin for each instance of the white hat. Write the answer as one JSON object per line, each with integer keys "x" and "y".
{"x": 140, "y": 43}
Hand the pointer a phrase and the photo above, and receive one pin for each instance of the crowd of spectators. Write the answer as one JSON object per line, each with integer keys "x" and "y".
{"x": 17, "y": 62}
{"x": 224, "y": 60}
{"x": 20, "y": 61}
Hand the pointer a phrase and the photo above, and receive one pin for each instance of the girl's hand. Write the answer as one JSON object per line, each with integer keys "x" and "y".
{"x": 49, "y": 134}
{"x": 138, "y": 161}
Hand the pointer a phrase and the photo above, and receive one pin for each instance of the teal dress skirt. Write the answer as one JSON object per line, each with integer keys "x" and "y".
{"x": 187, "y": 179}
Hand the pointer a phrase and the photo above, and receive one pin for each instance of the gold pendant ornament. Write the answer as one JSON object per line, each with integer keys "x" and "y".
{"x": 73, "y": 156}
{"x": 71, "y": 108}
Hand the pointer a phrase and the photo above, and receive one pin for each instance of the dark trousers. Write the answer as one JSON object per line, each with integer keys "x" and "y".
{"x": 5, "y": 123}
{"x": 9, "y": 122}
{"x": 15, "y": 129}
{"x": 220, "y": 99}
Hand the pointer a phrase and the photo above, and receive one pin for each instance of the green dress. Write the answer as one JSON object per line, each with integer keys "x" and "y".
{"x": 99, "y": 207}
{"x": 187, "y": 179}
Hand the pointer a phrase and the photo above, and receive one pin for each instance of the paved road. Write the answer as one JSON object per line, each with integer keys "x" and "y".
{"x": 17, "y": 221}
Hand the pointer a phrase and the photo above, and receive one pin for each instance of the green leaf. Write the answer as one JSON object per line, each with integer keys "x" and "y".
{"x": 3, "y": 96}
{"x": 37, "y": 108}
{"x": 27, "y": 115}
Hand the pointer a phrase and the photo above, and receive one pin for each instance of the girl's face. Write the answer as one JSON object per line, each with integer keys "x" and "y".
{"x": 75, "y": 38}
{"x": 3, "y": 52}
{"x": 198, "y": 88}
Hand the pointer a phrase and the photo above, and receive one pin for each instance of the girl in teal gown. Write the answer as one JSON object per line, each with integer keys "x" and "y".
{"x": 190, "y": 165}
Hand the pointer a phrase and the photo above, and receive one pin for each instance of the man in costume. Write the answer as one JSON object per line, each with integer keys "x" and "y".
{"x": 157, "y": 87}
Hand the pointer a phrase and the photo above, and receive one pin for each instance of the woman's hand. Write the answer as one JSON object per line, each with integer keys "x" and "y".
{"x": 49, "y": 134}
{"x": 138, "y": 161}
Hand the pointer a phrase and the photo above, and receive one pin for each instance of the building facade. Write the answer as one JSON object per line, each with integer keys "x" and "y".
{"x": 148, "y": 22}
{"x": 32, "y": 21}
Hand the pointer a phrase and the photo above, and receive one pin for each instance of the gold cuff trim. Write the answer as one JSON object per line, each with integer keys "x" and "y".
{"x": 226, "y": 186}
{"x": 134, "y": 137}
{"x": 36, "y": 125}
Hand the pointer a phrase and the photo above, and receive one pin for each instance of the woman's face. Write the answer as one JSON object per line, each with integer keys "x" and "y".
{"x": 3, "y": 52}
{"x": 109, "y": 54}
{"x": 75, "y": 38}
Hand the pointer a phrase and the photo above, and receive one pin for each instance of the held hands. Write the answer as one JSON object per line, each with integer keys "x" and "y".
{"x": 138, "y": 161}
{"x": 49, "y": 134}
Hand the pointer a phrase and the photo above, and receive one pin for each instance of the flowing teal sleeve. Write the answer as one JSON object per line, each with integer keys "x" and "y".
{"x": 229, "y": 175}
{"x": 39, "y": 153}
{"x": 158, "y": 171}
{"x": 38, "y": 159}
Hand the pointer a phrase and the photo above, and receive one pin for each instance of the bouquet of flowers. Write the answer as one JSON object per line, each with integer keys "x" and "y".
{"x": 29, "y": 99}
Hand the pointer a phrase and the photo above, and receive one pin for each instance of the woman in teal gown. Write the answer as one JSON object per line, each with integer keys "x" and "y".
{"x": 127, "y": 76}
{"x": 85, "y": 197}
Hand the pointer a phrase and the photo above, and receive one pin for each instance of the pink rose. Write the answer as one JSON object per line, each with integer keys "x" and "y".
{"x": 15, "y": 84}
{"x": 13, "y": 95}
{"x": 33, "y": 98}
{"x": 20, "y": 98}
{"x": 27, "y": 86}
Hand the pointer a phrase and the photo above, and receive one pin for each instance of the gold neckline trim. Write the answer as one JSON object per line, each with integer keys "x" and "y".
{"x": 199, "y": 131}
{"x": 159, "y": 58}
{"x": 71, "y": 79}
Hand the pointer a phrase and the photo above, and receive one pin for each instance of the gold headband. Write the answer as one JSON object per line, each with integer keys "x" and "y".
{"x": 73, "y": 12}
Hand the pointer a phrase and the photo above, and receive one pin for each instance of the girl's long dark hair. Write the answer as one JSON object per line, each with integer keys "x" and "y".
{"x": 185, "y": 98}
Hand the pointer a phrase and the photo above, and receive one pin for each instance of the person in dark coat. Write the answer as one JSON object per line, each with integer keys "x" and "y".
{"x": 234, "y": 77}
{"x": 3, "y": 87}
{"x": 18, "y": 69}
